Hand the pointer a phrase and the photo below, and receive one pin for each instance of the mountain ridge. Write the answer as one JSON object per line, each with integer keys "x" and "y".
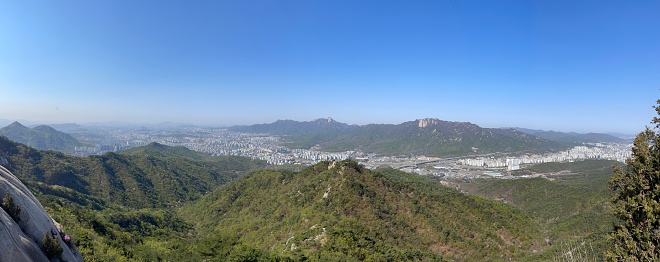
{"x": 41, "y": 137}
{"x": 426, "y": 136}
{"x": 345, "y": 212}
{"x": 125, "y": 177}
{"x": 573, "y": 137}
{"x": 117, "y": 205}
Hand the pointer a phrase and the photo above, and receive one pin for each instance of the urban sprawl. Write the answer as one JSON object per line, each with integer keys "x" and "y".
{"x": 221, "y": 142}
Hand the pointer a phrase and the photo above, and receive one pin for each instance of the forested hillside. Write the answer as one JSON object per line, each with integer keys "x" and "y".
{"x": 127, "y": 178}
{"x": 343, "y": 212}
{"x": 120, "y": 206}
{"x": 571, "y": 206}
{"x": 573, "y": 137}
{"x": 40, "y": 137}
{"x": 429, "y": 136}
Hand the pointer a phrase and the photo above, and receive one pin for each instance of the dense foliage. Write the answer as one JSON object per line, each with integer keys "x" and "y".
{"x": 120, "y": 206}
{"x": 342, "y": 211}
{"x": 570, "y": 206}
{"x": 126, "y": 178}
{"x": 637, "y": 200}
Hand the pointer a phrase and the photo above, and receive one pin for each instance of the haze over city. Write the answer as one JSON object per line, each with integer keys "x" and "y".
{"x": 588, "y": 66}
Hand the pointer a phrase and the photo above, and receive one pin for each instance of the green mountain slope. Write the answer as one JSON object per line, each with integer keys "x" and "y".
{"x": 40, "y": 137}
{"x": 119, "y": 206}
{"x": 571, "y": 207}
{"x": 127, "y": 178}
{"x": 345, "y": 212}
{"x": 573, "y": 137}
{"x": 296, "y": 128}
{"x": 434, "y": 137}
{"x": 431, "y": 137}
{"x": 159, "y": 150}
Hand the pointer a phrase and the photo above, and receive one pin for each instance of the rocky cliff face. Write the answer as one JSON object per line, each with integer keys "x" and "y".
{"x": 21, "y": 236}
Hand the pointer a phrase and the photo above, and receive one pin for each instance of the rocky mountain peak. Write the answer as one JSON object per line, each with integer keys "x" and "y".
{"x": 328, "y": 120}
{"x": 428, "y": 122}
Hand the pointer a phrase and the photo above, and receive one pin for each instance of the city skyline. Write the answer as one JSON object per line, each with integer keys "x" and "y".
{"x": 588, "y": 66}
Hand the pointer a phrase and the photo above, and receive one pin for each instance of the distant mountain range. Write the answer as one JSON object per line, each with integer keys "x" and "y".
{"x": 40, "y": 137}
{"x": 67, "y": 127}
{"x": 295, "y": 128}
{"x": 429, "y": 136}
{"x": 573, "y": 137}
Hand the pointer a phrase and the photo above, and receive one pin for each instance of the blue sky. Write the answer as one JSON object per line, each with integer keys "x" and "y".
{"x": 555, "y": 65}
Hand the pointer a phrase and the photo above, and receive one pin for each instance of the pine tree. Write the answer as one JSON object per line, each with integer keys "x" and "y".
{"x": 11, "y": 208}
{"x": 636, "y": 236}
{"x": 51, "y": 246}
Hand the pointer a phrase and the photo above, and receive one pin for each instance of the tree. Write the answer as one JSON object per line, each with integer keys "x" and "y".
{"x": 11, "y": 208}
{"x": 51, "y": 246}
{"x": 636, "y": 235}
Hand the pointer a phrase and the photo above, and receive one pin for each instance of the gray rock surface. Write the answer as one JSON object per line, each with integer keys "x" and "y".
{"x": 21, "y": 241}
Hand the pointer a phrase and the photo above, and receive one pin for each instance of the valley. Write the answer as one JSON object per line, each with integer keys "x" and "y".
{"x": 156, "y": 201}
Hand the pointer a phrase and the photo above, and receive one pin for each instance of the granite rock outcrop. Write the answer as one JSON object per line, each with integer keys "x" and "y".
{"x": 21, "y": 236}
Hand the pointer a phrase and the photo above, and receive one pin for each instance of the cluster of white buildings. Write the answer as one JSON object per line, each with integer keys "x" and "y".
{"x": 510, "y": 163}
{"x": 321, "y": 156}
{"x": 212, "y": 141}
{"x": 607, "y": 151}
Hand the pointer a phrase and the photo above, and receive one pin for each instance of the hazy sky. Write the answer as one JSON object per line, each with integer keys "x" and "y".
{"x": 562, "y": 65}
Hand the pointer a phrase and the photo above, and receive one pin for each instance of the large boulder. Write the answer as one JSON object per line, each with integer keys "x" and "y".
{"x": 21, "y": 240}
